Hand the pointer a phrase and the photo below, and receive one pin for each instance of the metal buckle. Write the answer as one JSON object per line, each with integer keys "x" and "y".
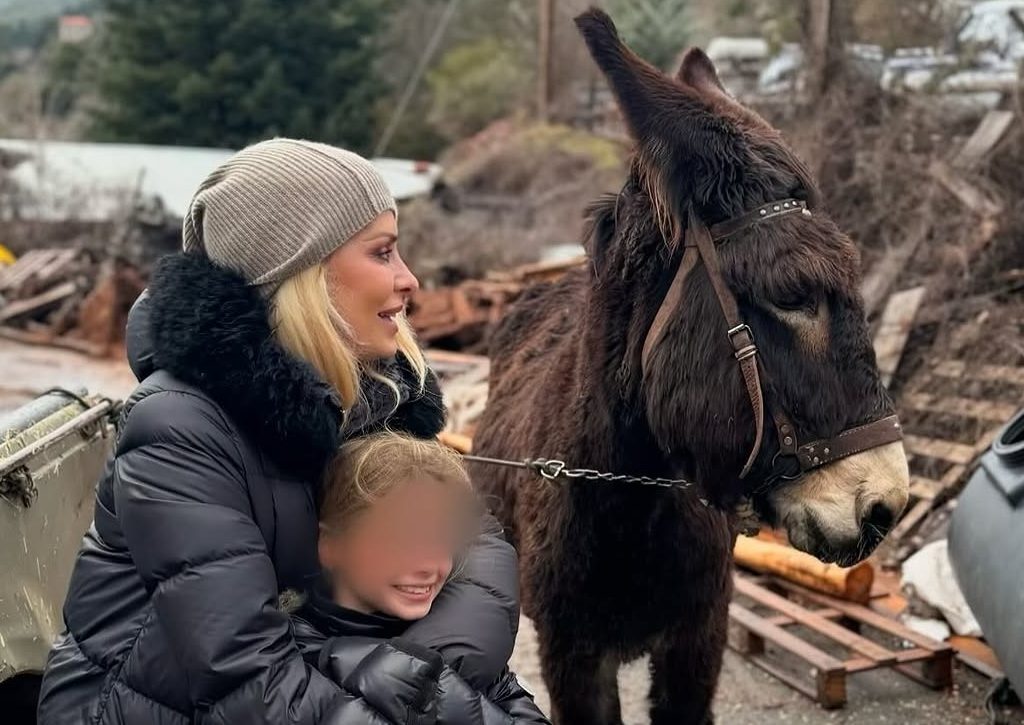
{"x": 738, "y": 329}
{"x": 747, "y": 350}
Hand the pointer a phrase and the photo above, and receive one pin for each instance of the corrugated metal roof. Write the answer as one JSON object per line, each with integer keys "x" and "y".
{"x": 60, "y": 180}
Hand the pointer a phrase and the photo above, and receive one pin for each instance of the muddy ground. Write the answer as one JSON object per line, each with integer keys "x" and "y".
{"x": 28, "y": 370}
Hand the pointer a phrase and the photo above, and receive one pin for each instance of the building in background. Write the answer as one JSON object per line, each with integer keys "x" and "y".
{"x": 74, "y": 28}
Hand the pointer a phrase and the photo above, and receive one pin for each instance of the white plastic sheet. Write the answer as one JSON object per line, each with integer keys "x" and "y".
{"x": 929, "y": 576}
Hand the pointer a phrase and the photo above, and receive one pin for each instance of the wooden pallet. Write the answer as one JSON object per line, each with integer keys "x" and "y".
{"x": 764, "y": 612}
{"x": 956, "y": 458}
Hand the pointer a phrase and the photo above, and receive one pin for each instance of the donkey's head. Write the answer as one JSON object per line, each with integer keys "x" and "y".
{"x": 701, "y": 159}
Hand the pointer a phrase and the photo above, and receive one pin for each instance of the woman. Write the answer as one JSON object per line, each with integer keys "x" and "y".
{"x": 277, "y": 334}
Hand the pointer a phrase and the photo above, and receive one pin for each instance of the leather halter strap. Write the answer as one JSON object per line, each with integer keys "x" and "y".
{"x": 699, "y": 245}
{"x": 692, "y": 253}
{"x": 740, "y": 336}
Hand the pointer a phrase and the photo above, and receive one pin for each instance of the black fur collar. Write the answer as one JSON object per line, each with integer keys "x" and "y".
{"x": 209, "y": 329}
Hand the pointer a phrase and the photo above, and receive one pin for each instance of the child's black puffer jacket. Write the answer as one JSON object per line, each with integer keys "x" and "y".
{"x": 388, "y": 680}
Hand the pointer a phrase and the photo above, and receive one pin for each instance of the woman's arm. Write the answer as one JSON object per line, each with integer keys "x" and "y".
{"x": 394, "y": 682}
{"x": 397, "y": 676}
{"x": 515, "y": 700}
{"x": 474, "y": 620}
{"x": 181, "y": 498}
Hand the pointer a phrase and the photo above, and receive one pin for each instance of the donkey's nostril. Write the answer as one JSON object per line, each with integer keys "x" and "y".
{"x": 878, "y": 517}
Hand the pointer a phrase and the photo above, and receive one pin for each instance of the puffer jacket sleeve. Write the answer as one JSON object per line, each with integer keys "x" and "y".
{"x": 181, "y": 497}
{"x": 395, "y": 682}
{"x": 460, "y": 704}
{"x": 474, "y": 620}
{"x": 393, "y": 677}
{"x": 515, "y": 700}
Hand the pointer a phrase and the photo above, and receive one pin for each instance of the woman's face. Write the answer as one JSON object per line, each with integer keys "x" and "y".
{"x": 370, "y": 286}
{"x": 395, "y": 556}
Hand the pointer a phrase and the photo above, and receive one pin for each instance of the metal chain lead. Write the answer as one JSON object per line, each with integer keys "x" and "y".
{"x": 554, "y": 469}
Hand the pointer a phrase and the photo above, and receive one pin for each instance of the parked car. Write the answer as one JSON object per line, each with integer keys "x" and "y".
{"x": 978, "y": 63}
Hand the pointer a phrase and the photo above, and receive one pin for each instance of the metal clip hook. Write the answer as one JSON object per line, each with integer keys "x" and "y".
{"x": 550, "y": 469}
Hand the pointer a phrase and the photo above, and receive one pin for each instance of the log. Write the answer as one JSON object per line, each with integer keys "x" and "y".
{"x": 456, "y": 441}
{"x": 968, "y": 194}
{"x": 538, "y": 271}
{"x": 462, "y": 311}
{"x": 57, "y": 269}
{"x": 852, "y": 584}
{"x": 883, "y": 275}
{"x": 26, "y": 266}
{"x": 988, "y": 133}
{"x": 435, "y": 356}
{"x": 894, "y": 330}
{"x": 31, "y": 304}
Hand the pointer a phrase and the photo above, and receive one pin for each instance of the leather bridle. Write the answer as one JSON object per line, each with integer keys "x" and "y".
{"x": 699, "y": 245}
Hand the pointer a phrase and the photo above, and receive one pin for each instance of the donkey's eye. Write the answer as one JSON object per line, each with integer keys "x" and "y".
{"x": 797, "y": 301}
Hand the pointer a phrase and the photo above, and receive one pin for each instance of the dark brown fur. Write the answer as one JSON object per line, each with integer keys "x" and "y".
{"x": 610, "y": 572}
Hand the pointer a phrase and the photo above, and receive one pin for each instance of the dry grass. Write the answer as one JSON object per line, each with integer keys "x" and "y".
{"x": 519, "y": 188}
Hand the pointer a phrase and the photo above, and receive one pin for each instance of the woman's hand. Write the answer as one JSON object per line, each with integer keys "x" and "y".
{"x": 383, "y": 683}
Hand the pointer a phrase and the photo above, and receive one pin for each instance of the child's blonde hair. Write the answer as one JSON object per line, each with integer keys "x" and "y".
{"x": 367, "y": 468}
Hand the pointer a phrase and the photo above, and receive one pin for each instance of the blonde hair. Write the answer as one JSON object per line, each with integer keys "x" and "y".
{"x": 367, "y": 468}
{"x": 308, "y": 326}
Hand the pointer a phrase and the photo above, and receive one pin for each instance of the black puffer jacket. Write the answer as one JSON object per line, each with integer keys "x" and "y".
{"x": 207, "y": 511}
{"x": 384, "y": 677}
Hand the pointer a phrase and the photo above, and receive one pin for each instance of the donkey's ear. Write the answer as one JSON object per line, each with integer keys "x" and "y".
{"x": 674, "y": 121}
{"x": 697, "y": 71}
{"x": 640, "y": 88}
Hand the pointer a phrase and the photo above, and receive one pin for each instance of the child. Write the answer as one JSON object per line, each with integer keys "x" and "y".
{"x": 395, "y": 514}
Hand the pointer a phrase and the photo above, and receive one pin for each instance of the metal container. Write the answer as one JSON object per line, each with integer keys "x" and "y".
{"x": 52, "y": 451}
{"x": 986, "y": 547}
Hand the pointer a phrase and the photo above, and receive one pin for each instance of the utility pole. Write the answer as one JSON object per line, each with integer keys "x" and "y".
{"x": 819, "y": 35}
{"x": 546, "y": 22}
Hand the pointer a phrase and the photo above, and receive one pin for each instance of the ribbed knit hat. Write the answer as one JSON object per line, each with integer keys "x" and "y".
{"x": 281, "y": 206}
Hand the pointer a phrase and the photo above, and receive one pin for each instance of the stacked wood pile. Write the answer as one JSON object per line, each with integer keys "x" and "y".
{"x": 461, "y": 316}
{"x": 948, "y": 343}
{"x": 67, "y": 297}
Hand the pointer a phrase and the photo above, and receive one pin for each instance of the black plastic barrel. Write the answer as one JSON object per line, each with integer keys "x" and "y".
{"x": 986, "y": 547}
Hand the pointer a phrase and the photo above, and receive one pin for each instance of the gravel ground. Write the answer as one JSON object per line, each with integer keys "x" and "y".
{"x": 749, "y": 696}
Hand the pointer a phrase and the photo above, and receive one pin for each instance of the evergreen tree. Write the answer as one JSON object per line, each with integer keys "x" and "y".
{"x": 226, "y": 73}
{"x": 658, "y": 30}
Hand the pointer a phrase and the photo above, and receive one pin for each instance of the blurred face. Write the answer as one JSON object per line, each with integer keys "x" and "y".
{"x": 370, "y": 286}
{"x": 394, "y": 557}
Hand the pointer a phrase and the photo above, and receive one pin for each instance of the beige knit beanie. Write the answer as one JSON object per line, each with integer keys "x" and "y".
{"x": 281, "y": 206}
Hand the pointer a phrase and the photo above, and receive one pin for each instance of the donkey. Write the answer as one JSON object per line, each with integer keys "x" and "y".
{"x": 626, "y": 366}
